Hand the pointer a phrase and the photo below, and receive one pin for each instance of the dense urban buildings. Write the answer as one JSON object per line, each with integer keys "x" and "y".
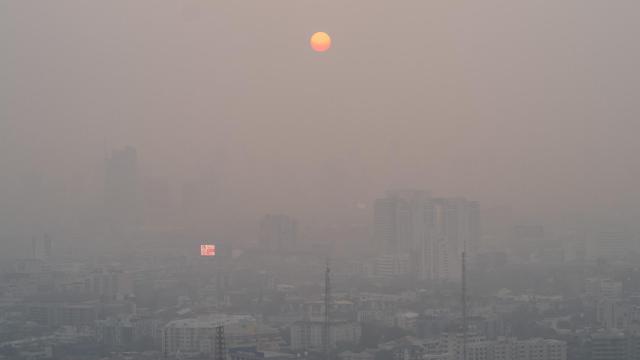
{"x": 279, "y": 298}
{"x": 268, "y": 298}
{"x": 401, "y": 301}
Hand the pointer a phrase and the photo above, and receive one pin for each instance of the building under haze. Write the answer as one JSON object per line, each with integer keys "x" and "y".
{"x": 121, "y": 196}
{"x": 308, "y": 335}
{"x": 515, "y": 349}
{"x": 403, "y": 224}
{"x": 610, "y": 242}
{"x": 456, "y": 228}
{"x": 41, "y": 249}
{"x": 278, "y": 233}
{"x": 527, "y": 240}
{"x": 432, "y": 231}
{"x": 613, "y": 345}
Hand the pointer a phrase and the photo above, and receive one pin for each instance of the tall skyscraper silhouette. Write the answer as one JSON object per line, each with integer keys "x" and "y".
{"x": 121, "y": 196}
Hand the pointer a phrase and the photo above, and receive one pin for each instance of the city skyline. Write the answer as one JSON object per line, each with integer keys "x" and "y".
{"x": 416, "y": 99}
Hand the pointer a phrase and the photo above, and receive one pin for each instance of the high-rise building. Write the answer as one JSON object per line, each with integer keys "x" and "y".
{"x": 456, "y": 228}
{"x": 278, "y": 233}
{"x": 432, "y": 231}
{"x": 614, "y": 314}
{"x": 602, "y": 288}
{"x": 610, "y": 345}
{"x": 610, "y": 242}
{"x": 121, "y": 198}
{"x": 391, "y": 265}
{"x": 403, "y": 224}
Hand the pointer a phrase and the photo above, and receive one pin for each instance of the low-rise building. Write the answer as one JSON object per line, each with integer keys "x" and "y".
{"x": 310, "y": 334}
{"x": 197, "y": 335}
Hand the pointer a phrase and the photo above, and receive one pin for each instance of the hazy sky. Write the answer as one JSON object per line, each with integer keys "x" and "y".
{"x": 527, "y": 103}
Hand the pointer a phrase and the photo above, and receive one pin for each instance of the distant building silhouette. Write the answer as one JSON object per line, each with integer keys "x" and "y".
{"x": 278, "y": 233}
{"x": 48, "y": 245}
{"x": 456, "y": 225}
{"x": 121, "y": 195}
{"x": 527, "y": 240}
{"x": 431, "y": 231}
{"x": 41, "y": 249}
{"x": 610, "y": 242}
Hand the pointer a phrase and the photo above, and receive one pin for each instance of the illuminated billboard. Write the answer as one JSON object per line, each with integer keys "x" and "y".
{"x": 207, "y": 250}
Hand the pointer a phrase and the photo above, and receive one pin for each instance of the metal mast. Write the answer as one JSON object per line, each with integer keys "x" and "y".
{"x": 220, "y": 344}
{"x": 327, "y": 310}
{"x": 464, "y": 304}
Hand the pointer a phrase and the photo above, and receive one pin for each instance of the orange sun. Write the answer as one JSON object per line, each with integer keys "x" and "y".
{"x": 320, "y": 41}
